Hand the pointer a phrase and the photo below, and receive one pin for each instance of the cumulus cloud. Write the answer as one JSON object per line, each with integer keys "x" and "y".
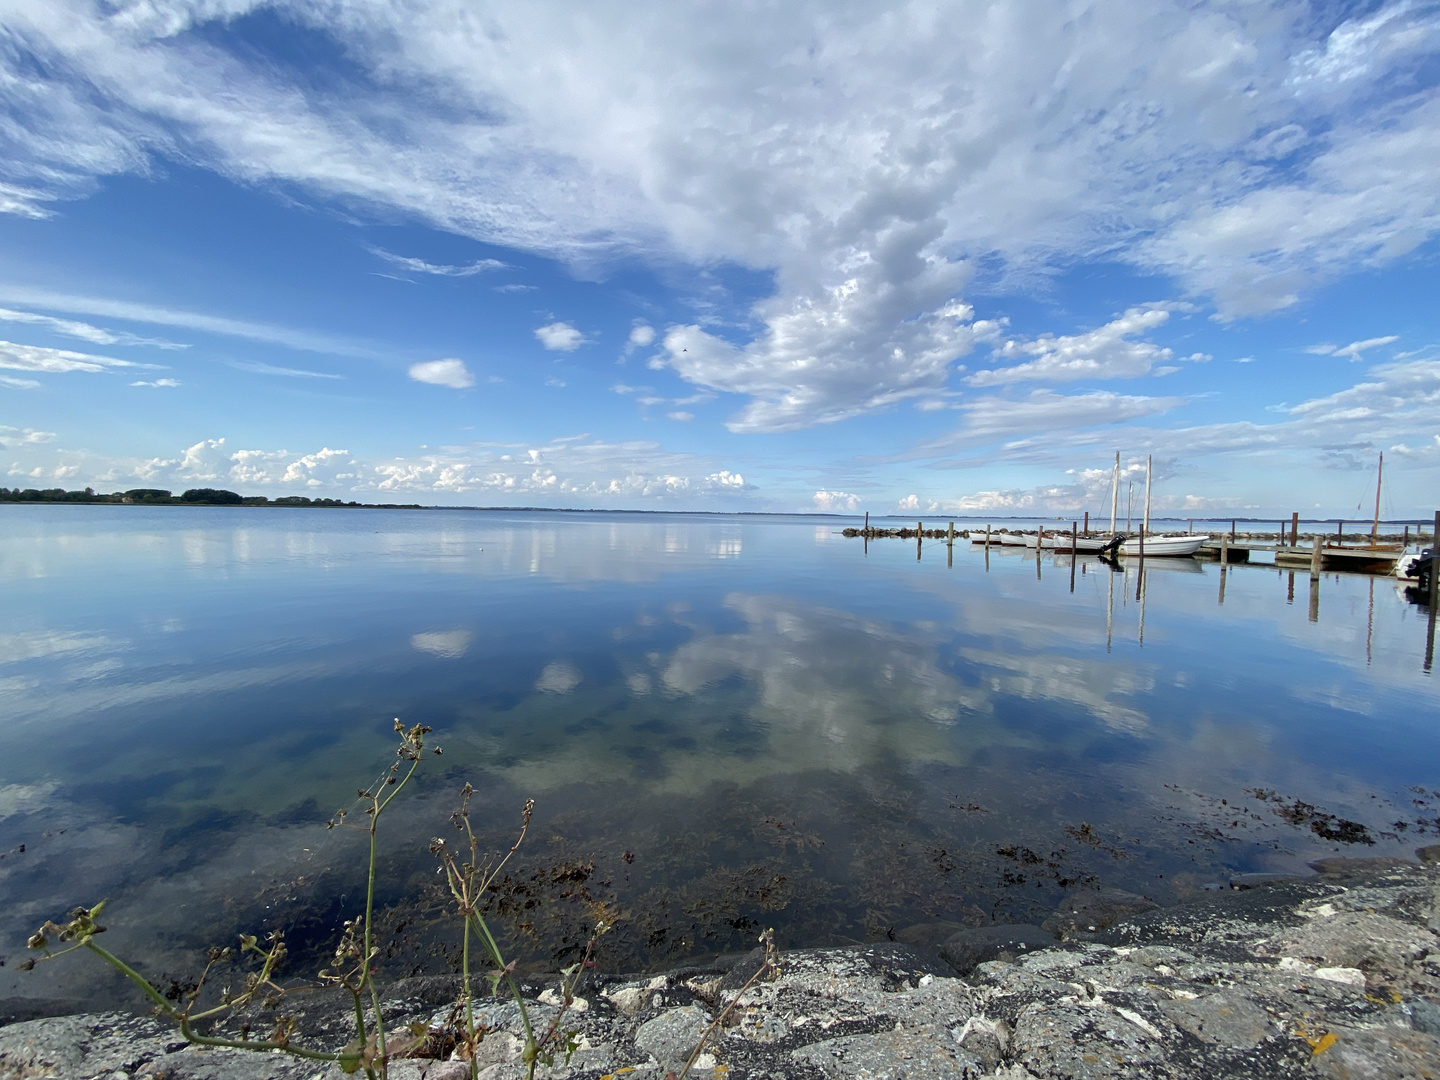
{"x": 13, "y": 436}
{"x": 642, "y": 336}
{"x": 835, "y": 500}
{"x": 559, "y": 337}
{"x": 452, "y": 373}
{"x": 54, "y": 361}
{"x": 1108, "y": 352}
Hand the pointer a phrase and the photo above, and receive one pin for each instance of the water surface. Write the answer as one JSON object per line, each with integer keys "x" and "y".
{"x": 727, "y": 723}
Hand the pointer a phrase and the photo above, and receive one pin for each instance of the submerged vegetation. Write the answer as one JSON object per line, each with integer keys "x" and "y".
{"x": 198, "y": 1011}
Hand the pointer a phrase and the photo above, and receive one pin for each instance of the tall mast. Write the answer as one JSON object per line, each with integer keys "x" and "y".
{"x": 1115, "y": 493}
{"x": 1379, "y": 475}
{"x": 1145, "y": 529}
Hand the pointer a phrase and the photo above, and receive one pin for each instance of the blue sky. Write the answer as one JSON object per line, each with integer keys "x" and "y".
{"x": 946, "y": 258}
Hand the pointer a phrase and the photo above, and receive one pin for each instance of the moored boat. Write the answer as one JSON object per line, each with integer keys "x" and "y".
{"x": 1163, "y": 544}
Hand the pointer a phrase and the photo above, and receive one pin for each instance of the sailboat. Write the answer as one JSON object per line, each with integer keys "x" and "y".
{"x": 1158, "y": 544}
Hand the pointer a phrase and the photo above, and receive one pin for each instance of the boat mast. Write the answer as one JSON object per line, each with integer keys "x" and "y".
{"x": 1115, "y": 493}
{"x": 1379, "y": 475}
{"x": 1129, "y": 505}
{"x": 1145, "y": 529}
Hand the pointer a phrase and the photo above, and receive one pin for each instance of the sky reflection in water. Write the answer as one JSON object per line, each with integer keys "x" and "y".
{"x": 739, "y": 721}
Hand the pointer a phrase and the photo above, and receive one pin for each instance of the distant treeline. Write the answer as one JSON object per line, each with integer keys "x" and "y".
{"x": 192, "y": 497}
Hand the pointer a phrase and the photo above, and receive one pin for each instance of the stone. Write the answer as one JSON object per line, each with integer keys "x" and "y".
{"x": 891, "y": 1055}
{"x": 1428, "y": 854}
{"x": 1424, "y": 1016}
{"x": 1357, "y": 939}
{"x": 672, "y": 1036}
{"x": 967, "y": 949}
{"x": 1091, "y": 910}
{"x": 629, "y": 999}
{"x": 929, "y": 935}
{"x": 1379, "y": 1054}
{"x": 1225, "y": 1017}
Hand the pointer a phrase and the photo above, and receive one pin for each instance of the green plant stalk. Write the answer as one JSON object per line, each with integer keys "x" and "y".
{"x": 483, "y": 932}
{"x": 366, "y": 975}
{"x": 469, "y": 1002}
{"x": 184, "y": 1021}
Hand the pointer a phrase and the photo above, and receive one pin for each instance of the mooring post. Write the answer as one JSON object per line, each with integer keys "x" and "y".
{"x": 1340, "y": 533}
{"x": 1434, "y": 569}
{"x": 1224, "y": 550}
{"x": 1295, "y": 529}
{"x": 987, "y": 541}
{"x": 1315, "y": 560}
{"x": 950, "y": 535}
{"x": 1232, "y": 532}
{"x": 919, "y": 538}
{"x": 1406, "y": 542}
{"x": 1074, "y": 553}
{"x": 1190, "y": 529}
{"x": 867, "y": 522}
{"x": 1086, "y": 529}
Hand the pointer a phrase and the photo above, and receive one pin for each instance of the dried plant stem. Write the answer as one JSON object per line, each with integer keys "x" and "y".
{"x": 770, "y": 963}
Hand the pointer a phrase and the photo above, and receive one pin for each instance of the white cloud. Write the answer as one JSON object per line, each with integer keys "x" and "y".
{"x": 452, "y": 373}
{"x": 55, "y": 361}
{"x": 560, "y": 337}
{"x": 642, "y": 336}
{"x": 13, "y": 436}
{"x": 157, "y": 382}
{"x": 420, "y": 266}
{"x": 259, "y": 367}
{"x": 515, "y": 288}
{"x": 865, "y": 159}
{"x": 681, "y": 415}
{"x": 19, "y": 384}
{"x": 157, "y": 315}
{"x": 84, "y": 331}
{"x": 835, "y": 500}
{"x": 1107, "y": 352}
{"x": 1355, "y": 350}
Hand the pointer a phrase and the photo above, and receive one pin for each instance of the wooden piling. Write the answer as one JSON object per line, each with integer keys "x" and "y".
{"x": 1340, "y": 533}
{"x": 1315, "y": 559}
{"x": 1295, "y": 529}
{"x": 1224, "y": 550}
{"x": 950, "y": 535}
{"x": 987, "y": 541}
{"x": 1232, "y": 532}
{"x": 867, "y": 521}
{"x": 1087, "y": 522}
{"x": 1434, "y": 570}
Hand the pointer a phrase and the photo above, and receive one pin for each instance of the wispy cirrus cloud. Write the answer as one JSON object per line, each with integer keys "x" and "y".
{"x": 1355, "y": 351}
{"x": 84, "y": 331}
{"x": 39, "y": 358}
{"x": 420, "y": 266}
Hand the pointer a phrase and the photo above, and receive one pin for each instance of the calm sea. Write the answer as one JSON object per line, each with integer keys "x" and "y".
{"x": 727, "y": 723}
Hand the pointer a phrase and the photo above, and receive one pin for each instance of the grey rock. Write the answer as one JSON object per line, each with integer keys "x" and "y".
{"x": 672, "y": 1036}
{"x": 1225, "y": 1017}
{"x": 1379, "y": 1054}
{"x": 1429, "y": 854}
{"x": 1357, "y": 939}
{"x": 892, "y": 1055}
{"x": 1091, "y": 910}
{"x": 968, "y": 948}
{"x": 1425, "y": 1016}
{"x": 1342, "y": 866}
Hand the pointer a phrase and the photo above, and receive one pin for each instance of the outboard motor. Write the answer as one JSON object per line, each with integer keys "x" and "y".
{"x": 1114, "y": 545}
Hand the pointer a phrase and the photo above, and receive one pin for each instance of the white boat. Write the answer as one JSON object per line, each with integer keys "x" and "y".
{"x": 1061, "y": 541}
{"x": 1163, "y": 544}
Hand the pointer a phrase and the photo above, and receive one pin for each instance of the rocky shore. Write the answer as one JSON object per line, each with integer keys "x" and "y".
{"x": 1335, "y": 975}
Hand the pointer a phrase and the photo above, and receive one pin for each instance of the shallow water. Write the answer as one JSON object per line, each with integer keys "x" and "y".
{"x": 727, "y": 723}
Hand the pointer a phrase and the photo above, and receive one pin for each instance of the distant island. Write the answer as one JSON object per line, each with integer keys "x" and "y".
{"x": 191, "y": 497}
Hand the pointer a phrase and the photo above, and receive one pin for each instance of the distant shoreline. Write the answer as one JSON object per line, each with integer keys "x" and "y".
{"x": 218, "y": 497}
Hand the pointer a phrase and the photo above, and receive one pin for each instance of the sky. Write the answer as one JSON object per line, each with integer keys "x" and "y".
{"x": 843, "y": 257}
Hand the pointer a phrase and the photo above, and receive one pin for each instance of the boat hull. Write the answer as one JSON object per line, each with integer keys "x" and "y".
{"x": 1160, "y": 546}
